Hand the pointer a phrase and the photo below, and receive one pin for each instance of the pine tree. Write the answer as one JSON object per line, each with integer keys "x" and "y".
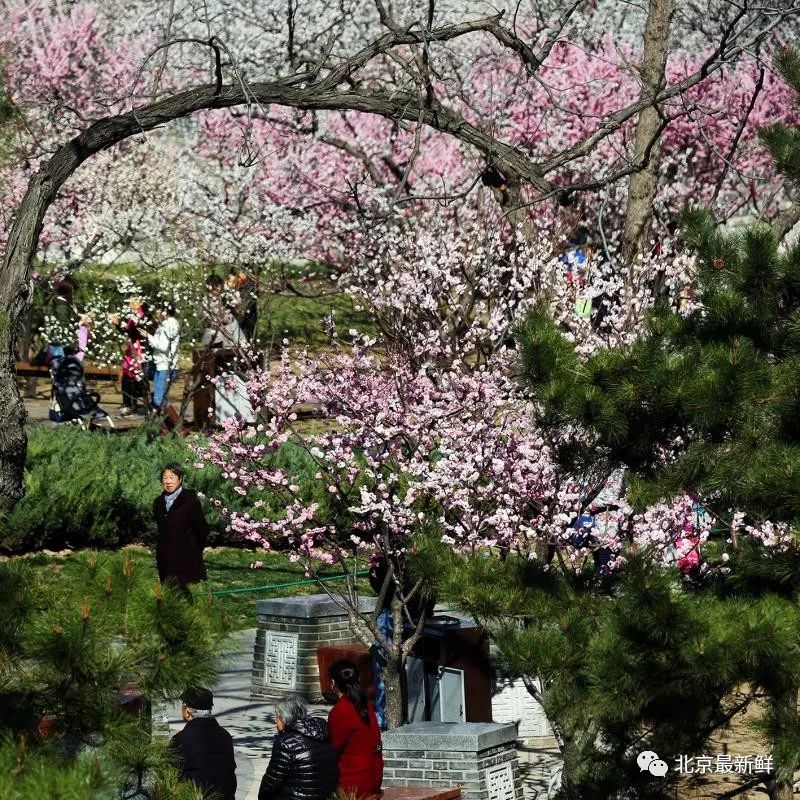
{"x": 72, "y": 644}
{"x": 637, "y": 664}
{"x": 723, "y": 380}
{"x": 640, "y": 662}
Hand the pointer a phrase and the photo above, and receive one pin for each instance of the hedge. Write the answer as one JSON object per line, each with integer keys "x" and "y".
{"x": 88, "y": 489}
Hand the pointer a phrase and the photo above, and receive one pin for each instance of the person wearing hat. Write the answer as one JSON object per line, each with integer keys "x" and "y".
{"x": 204, "y": 749}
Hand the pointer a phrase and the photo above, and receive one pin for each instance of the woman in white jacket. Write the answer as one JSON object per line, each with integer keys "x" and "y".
{"x": 164, "y": 349}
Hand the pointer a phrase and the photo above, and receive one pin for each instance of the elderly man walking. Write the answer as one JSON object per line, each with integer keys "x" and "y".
{"x": 204, "y": 749}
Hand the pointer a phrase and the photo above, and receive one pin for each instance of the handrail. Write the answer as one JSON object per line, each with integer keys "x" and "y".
{"x": 288, "y": 585}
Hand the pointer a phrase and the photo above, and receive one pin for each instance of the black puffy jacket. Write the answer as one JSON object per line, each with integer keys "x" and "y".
{"x": 304, "y": 764}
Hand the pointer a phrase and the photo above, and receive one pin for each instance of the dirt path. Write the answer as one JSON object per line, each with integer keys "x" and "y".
{"x": 38, "y": 407}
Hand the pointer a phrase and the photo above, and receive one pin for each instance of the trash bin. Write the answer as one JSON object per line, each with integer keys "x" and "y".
{"x": 449, "y": 673}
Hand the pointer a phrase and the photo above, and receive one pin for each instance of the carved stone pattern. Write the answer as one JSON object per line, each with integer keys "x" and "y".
{"x": 500, "y": 782}
{"x": 280, "y": 660}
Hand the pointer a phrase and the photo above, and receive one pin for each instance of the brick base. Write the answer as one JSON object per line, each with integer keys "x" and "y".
{"x": 479, "y": 758}
{"x": 290, "y": 629}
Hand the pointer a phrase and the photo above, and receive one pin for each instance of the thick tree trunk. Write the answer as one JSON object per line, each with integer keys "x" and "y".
{"x": 642, "y": 189}
{"x": 12, "y": 420}
{"x": 393, "y": 670}
{"x": 569, "y": 789}
{"x": 395, "y": 707}
{"x": 14, "y": 301}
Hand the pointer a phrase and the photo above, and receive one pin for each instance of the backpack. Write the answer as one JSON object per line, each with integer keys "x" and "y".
{"x": 53, "y": 355}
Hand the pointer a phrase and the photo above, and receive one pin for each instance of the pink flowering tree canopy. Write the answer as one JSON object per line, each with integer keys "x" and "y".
{"x": 703, "y": 402}
{"x": 260, "y": 180}
{"x": 313, "y": 177}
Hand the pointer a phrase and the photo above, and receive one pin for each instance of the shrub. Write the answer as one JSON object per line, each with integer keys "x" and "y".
{"x": 93, "y": 490}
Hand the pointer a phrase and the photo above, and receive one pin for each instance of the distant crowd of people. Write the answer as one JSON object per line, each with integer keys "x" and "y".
{"x": 151, "y": 349}
{"x": 150, "y": 354}
{"x": 311, "y": 757}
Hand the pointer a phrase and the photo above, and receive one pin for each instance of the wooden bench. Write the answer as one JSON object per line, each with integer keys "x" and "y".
{"x": 420, "y": 793}
{"x": 25, "y": 369}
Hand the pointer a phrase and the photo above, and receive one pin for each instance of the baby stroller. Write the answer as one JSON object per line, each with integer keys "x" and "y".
{"x": 70, "y": 401}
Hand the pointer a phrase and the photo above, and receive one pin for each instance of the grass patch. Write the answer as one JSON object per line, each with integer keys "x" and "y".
{"x": 228, "y": 568}
{"x": 300, "y": 319}
{"x": 88, "y": 490}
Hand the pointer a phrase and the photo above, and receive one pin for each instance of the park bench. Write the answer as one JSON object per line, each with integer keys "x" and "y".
{"x": 25, "y": 369}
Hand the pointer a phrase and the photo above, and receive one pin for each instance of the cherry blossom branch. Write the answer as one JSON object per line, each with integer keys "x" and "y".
{"x": 715, "y": 61}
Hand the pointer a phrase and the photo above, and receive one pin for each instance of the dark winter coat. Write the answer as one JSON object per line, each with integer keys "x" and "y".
{"x": 204, "y": 751}
{"x": 358, "y": 744}
{"x": 303, "y": 764}
{"x": 182, "y": 534}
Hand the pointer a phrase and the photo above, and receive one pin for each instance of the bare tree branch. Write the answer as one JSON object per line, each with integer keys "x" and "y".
{"x": 737, "y": 136}
{"x": 530, "y": 59}
{"x": 786, "y": 222}
{"x": 356, "y": 152}
{"x": 167, "y": 35}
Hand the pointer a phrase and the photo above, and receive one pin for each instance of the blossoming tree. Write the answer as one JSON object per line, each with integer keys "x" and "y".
{"x": 405, "y": 454}
{"x": 701, "y": 407}
{"x": 698, "y": 407}
{"x": 394, "y": 67}
{"x": 427, "y": 434}
{"x": 435, "y": 426}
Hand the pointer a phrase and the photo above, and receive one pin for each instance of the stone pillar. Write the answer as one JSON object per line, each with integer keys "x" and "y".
{"x": 290, "y": 629}
{"x": 480, "y": 758}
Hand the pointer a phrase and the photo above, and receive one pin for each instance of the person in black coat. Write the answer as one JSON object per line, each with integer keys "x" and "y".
{"x": 203, "y": 750}
{"x": 304, "y": 764}
{"x": 182, "y": 530}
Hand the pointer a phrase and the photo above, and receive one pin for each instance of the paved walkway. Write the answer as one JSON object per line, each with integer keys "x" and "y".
{"x": 252, "y": 725}
{"x": 250, "y": 722}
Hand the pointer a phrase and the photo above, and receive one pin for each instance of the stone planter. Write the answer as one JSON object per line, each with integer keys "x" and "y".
{"x": 480, "y": 758}
{"x": 290, "y": 629}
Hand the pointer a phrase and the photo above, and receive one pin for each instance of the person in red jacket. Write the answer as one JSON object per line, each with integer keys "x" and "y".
{"x": 355, "y": 734}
